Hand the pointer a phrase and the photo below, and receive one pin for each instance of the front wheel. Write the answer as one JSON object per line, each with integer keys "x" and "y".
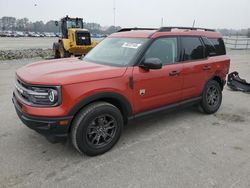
{"x": 55, "y": 51}
{"x": 96, "y": 128}
{"x": 211, "y": 97}
{"x": 63, "y": 53}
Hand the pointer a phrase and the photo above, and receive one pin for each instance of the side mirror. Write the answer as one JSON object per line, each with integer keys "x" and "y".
{"x": 56, "y": 23}
{"x": 151, "y": 63}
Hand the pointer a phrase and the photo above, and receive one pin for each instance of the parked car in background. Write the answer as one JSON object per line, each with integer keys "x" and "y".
{"x": 59, "y": 35}
{"x": 49, "y": 34}
{"x": 3, "y": 34}
{"x": 28, "y": 34}
{"x": 20, "y": 34}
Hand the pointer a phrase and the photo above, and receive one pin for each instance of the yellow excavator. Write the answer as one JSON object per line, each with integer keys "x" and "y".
{"x": 75, "y": 39}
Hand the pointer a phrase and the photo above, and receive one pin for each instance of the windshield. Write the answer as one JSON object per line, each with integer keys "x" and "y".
{"x": 115, "y": 51}
{"x": 74, "y": 24}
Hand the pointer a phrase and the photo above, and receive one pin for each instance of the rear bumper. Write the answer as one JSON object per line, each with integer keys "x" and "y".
{"x": 49, "y": 127}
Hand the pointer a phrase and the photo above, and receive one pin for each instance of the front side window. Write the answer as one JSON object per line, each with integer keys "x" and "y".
{"x": 164, "y": 49}
{"x": 116, "y": 51}
{"x": 192, "y": 48}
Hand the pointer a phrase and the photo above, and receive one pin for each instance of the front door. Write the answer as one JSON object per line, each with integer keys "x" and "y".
{"x": 156, "y": 88}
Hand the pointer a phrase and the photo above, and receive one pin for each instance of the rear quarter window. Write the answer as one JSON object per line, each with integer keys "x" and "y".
{"x": 219, "y": 46}
{"x": 210, "y": 49}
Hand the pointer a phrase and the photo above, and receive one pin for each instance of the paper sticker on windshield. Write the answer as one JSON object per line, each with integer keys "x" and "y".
{"x": 131, "y": 45}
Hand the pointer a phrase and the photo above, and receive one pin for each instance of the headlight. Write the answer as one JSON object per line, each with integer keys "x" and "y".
{"x": 45, "y": 96}
{"x": 39, "y": 95}
{"x": 52, "y": 95}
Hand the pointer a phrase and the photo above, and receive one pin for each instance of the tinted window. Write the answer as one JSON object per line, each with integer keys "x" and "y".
{"x": 192, "y": 48}
{"x": 210, "y": 49}
{"x": 164, "y": 49}
{"x": 219, "y": 46}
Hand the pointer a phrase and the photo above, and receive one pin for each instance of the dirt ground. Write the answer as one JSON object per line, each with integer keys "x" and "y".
{"x": 184, "y": 148}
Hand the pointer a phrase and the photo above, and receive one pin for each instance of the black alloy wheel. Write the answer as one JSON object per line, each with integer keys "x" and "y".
{"x": 101, "y": 130}
{"x": 97, "y": 128}
{"x": 211, "y": 97}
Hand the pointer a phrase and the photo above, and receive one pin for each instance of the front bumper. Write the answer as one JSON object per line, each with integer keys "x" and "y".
{"x": 47, "y": 126}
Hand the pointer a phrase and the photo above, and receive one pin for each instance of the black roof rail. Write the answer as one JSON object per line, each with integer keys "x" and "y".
{"x": 166, "y": 29}
{"x": 135, "y": 29}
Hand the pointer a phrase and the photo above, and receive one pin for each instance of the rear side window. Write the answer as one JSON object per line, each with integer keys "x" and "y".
{"x": 192, "y": 48}
{"x": 219, "y": 46}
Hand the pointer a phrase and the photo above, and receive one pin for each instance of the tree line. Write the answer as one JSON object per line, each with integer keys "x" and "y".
{"x": 235, "y": 32}
{"x": 24, "y": 24}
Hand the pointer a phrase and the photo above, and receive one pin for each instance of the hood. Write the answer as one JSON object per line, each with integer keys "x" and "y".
{"x": 66, "y": 71}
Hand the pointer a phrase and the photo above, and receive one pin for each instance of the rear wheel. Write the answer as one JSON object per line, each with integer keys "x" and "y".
{"x": 211, "y": 97}
{"x": 96, "y": 128}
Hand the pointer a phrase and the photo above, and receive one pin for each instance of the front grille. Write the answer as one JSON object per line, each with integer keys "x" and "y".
{"x": 22, "y": 89}
{"x": 83, "y": 38}
{"x": 37, "y": 95}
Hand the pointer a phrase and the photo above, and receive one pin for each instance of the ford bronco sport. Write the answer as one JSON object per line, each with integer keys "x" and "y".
{"x": 132, "y": 73}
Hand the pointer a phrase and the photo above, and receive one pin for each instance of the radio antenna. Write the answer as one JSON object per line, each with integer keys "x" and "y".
{"x": 193, "y": 23}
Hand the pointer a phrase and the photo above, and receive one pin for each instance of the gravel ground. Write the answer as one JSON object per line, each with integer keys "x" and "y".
{"x": 9, "y": 43}
{"x": 183, "y": 148}
{"x": 26, "y": 47}
{"x": 26, "y": 53}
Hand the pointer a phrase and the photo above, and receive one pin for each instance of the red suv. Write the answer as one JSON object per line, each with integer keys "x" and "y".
{"x": 132, "y": 73}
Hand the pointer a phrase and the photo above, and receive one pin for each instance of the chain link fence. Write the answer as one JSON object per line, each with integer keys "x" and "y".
{"x": 237, "y": 43}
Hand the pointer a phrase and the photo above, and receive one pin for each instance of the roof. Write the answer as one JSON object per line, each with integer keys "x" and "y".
{"x": 166, "y": 31}
{"x": 134, "y": 34}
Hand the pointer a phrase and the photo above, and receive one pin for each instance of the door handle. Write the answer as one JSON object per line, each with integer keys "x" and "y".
{"x": 206, "y": 67}
{"x": 174, "y": 73}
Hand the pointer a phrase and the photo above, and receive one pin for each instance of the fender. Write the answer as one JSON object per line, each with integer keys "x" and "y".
{"x": 66, "y": 44}
{"x": 113, "y": 98}
{"x": 219, "y": 80}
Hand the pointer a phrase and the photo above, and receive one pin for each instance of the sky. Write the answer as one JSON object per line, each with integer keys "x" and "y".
{"x": 231, "y": 14}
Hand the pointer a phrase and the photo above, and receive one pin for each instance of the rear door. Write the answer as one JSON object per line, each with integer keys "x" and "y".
{"x": 216, "y": 53}
{"x": 155, "y": 88}
{"x": 195, "y": 66}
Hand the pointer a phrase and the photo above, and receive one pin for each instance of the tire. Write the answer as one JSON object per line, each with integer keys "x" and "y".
{"x": 63, "y": 53}
{"x": 211, "y": 97}
{"x": 96, "y": 128}
{"x": 56, "y": 53}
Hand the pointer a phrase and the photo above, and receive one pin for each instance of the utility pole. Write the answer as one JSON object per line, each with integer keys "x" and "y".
{"x": 114, "y": 9}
